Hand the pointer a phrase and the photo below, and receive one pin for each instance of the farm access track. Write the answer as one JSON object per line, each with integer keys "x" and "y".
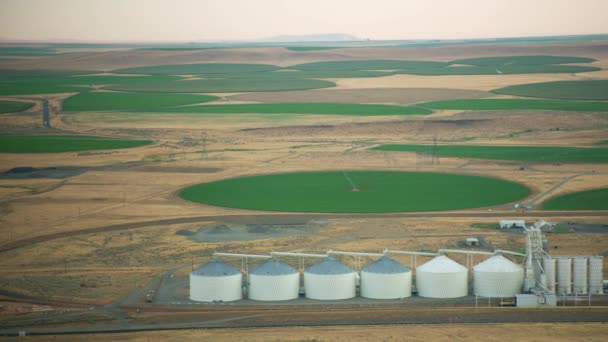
{"x": 287, "y": 219}
{"x": 322, "y": 315}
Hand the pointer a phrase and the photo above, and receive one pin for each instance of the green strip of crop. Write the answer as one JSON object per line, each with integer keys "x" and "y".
{"x": 224, "y": 85}
{"x": 305, "y": 108}
{"x": 492, "y": 70}
{"x": 63, "y": 143}
{"x": 518, "y": 153}
{"x": 596, "y": 199}
{"x": 519, "y": 104}
{"x": 51, "y": 84}
{"x": 566, "y": 90}
{"x": 297, "y": 74}
{"x": 150, "y": 102}
{"x": 522, "y": 60}
{"x": 14, "y": 106}
{"x": 35, "y": 73}
{"x": 24, "y": 88}
{"x": 200, "y": 68}
{"x": 367, "y": 65}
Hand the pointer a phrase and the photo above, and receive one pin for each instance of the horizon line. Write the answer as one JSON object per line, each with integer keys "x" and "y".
{"x": 4, "y": 40}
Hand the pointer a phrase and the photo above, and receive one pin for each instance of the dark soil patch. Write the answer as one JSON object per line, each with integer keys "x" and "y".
{"x": 247, "y": 232}
{"x": 59, "y": 172}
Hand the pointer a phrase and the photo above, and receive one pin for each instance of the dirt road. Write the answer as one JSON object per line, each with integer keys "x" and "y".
{"x": 292, "y": 219}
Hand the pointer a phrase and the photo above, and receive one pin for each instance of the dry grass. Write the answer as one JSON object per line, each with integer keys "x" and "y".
{"x": 476, "y": 82}
{"x": 99, "y": 198}
{"x": 537, "y": 332}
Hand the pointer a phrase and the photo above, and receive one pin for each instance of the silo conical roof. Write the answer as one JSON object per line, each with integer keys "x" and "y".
{"x": 216, "y": 268}
{"x": 273, "y": 267}
{"x": 441, "y": 264}
{"x": 385, "y": 265}
{"x": 329, "y": 265}
{"x": 497, "y": 263}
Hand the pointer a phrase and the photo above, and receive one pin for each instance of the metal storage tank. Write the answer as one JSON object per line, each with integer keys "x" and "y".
{"x": 564, "y": 275}
{"x": 385, "y": 278}
{"x": 442, "y": 277}
{"x": 596, "y": 274}
{"x": 329, "y": 279}
{"x": 497, "y": 277}
{"x": 216, "y": 281}
{"x": 274, "y": 280}
{"x": 549, "y": 267}
{"x": 579, "y": 278}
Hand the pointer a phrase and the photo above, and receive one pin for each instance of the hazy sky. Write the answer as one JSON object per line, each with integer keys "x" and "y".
{"x": 188, "y": 20}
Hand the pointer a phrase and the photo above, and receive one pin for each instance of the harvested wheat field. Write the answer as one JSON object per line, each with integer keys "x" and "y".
{"x": 463, "y": 332}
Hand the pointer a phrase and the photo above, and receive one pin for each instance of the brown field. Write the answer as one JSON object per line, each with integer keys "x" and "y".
{"x": 537, "y": 332}
{"x": 62, "y": 239}
{"x": 476, "y": 82}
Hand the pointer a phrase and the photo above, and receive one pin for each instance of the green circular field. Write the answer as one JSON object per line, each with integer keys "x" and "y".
{"x": 357, "y": 192}
{"x": 595, "y": 199}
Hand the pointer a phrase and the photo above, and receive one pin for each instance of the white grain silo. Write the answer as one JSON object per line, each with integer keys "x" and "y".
{"x": 274, "y": 280}
{"x": 385, "y": 278}
{"x": 216, "y": 281}
{"x": 442, "y": 277}
{"x": 329, "y": 279}
{"x": 579, "y": 275}
{"x": 549, "y": 267}
{"x": 564, "y": 275}
{"x": 596, "y": 274}
{"x": 497, "y": 277}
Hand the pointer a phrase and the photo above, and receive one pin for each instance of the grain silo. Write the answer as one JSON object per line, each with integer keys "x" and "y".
{"x": 274, "y": 280}
{"x": 579, "y": 275}
{"x": 442, "y": 277}
{"x": 564, "y": 275}
{"x": 329, "y": 279}
{"x": 549, "y": 267}
{"x": 497, "y": 277}
{"x": 596, "y": 274}
{"x": 216, "y": 281}
{"x": 385, "y": 278}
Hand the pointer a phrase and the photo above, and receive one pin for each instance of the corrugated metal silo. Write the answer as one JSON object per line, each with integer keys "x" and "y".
{"x": 579, "y": 279}
{"x": 596, "y": 274}
{"x": 385, "y": 278}
{"x": 216, "y": 281}
{"x": 442, "y": 277}
{"x": 497, "y": 277}
{"x": 549, "y": 267}
{"x": 564, "y": 275}
{"x": 329, "y": 279}
{"x": 274, "y": 280}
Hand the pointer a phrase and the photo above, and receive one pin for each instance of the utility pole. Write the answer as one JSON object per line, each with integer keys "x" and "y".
{"x": 204, "y": 142}
{"x": 435, "y": 158}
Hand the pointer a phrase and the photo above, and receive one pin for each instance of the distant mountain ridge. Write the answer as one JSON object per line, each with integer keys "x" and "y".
{"x": 328, "y": 37}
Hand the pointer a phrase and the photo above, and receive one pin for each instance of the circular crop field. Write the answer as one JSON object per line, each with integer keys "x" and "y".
{"x": 356, "y": 192}
{"x": 595, "y": 199}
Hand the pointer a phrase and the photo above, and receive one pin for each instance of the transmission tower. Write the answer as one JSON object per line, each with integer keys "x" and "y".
{"x": 434, "y": 156}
